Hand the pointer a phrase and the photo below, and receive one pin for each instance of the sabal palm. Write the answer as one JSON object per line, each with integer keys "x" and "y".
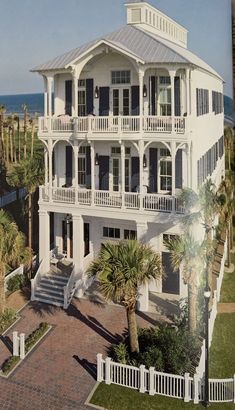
{"x": 187, "y": 254}
{"x": 228, "y": 140}
{"x": 12, "y": 250}
{"x": 29, "y": 174}
{"x": 120, "y": 270}
{"x": 227, "y": 209}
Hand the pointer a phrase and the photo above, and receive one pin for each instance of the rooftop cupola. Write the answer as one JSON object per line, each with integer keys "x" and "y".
{"x": 141, "y": 14}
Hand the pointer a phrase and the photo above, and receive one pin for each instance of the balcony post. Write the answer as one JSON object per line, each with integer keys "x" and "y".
{"x": 50, "y": 84}
{"x": 123, "y": 173}
{"x": 50, "y": 152}
{"x": 46, "y": 165}
{"x": 141, "y": 157}
{"x": 75, "y": 94}
{"x": 78, "y": 249}
{"x": 172, "y": 77}
{"x": 75, "y": 150}
{"x": 141, "y": 102}
{"x": 187, "y": 92}
{"x": 44, "y": 238}
{"x": 173, "y": 154}
{"x": 45, "y": 97}
{"x": 92, "y": 172}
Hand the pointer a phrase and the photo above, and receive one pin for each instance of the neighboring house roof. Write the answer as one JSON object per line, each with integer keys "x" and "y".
{"x": 146, "y": 46}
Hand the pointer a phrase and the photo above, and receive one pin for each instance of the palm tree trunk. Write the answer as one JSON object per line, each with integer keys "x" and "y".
{"x": 132, "y": 328}
{"x": 2, "y": 291}
{"x": 192, "y": 307}
{"x": 32, "y": 140}
{"x": 18, "y": 134}
{"x": 11, "y": 143}
{"x": 30, "y": 232}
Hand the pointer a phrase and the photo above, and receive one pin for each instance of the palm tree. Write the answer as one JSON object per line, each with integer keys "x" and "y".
{"x": 226, "y": 214}
{"x": 121, "y": 269}
{"x": 12, "y": 250}
{"x": 228, "y": 140}
{"x": 25, "y": 110}
{"x": 188, "y": 254}
{"x": 28, "y": 173}
{"x": 2, "y": 112}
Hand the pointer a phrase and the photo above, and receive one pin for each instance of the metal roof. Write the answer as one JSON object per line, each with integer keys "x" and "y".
{"x": 144, "y": 45}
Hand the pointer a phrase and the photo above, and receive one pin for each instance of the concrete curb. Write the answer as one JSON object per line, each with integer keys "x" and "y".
{"x": 87, "y": 402}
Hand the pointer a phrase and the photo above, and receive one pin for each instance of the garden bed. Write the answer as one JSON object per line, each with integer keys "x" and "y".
{"x": 30, "y": 343}
{"x": 7, "y": 320}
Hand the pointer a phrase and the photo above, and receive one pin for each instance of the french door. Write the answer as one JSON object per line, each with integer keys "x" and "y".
{"x": 121, "y": 101}
{"x": 116, "y": 174}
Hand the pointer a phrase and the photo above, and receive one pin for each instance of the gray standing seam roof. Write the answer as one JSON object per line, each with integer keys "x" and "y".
{"x": 143, "y": 45}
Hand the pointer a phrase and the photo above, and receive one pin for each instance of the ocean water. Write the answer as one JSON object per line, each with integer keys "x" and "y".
{"x": 13, "y": 103}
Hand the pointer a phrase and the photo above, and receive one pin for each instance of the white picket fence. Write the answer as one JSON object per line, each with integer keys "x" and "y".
{"x": 165, "y": 384}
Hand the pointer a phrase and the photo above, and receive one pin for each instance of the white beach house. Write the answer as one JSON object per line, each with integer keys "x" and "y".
{"x": 130, "y": 119}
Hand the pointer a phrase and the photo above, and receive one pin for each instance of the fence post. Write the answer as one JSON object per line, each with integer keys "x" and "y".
{"x": 15, "y": 344}
{"x": 107, "y": 370}
{"x": 99, "y": 367}
{"x": 151, "y": 381}
{"x": 186, "y": 387}
{"x": 196, "y": 392}
{"x": 234, "y": 388}
{"x": 142, "y": 379}
{"x": 22, "y": 345}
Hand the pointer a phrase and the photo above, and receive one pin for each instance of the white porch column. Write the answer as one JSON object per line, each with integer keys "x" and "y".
{"x": 187, "y": 92}
{"x": 44, "y": 239}
{"x": 50, "y": 84}
{"x": 141, "y": 171}
{"x": 143, "y": 297}
{"x": 45, "y": 97}
{"x": 172, "y": 77}
{"x": 75, "y": 95}
{"x": 123, "y": 173}
{"x": 173, "y": 154}
{"x": 46, "y": 165}
{"x": 141, "y": 84}
{"x": 75, "y": 179}
{"x": 92, "y": 145}
{"x": 78, "y": 249}
{"x": 50, "y": 152}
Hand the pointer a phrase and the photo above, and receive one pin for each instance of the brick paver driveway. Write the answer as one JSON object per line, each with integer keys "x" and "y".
{"x": 61, "y": 372}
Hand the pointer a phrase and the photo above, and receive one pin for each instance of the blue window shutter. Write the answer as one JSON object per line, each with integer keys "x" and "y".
{"x": 104, "y": 101}
{"x": 177, "y": 97}
{"x": 153, "y": 171}
{"x": 103, "y": 173}
{"x": 88, "y": 167}
{"x": 178, "y": 169}
{"x": 135, "y": 173}
{"x": 69, "y": 165}
{"x": 68, "y": 97}
{"x": 135, "y": 100}
{"x": 152, "y": 99}
{"x": 89, "y": 96}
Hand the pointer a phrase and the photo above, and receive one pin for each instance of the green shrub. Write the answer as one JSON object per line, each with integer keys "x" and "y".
{"x": 10, "y": 363}
{"x": 7, "y": 318}
{"x": 168, "y": 349}
{"x": 35, "y": 336}
{"x": 16, "y": 283}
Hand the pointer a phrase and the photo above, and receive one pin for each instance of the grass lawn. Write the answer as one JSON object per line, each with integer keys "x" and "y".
{"x": 228, "y": 286}
{"x": 120, "y": 398}
{"x": 222, "y": 351}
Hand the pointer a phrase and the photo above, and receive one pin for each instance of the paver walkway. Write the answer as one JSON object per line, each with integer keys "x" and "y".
{"x": 226, "y": 308}
{"x": 61, "y": 372}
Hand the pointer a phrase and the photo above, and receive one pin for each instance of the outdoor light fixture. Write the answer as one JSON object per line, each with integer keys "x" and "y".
{"x": 144, "y": 90}
{"x": 97, "y": 92}
{"x": 68, "y": 218}
{"x": 144, "y": 161}
{"x": 96, "y": 159}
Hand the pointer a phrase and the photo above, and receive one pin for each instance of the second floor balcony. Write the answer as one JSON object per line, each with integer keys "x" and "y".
{"x": 111, "y": 125}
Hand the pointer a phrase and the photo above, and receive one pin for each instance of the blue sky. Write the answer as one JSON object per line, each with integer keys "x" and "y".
{"x": 32, "y": 32}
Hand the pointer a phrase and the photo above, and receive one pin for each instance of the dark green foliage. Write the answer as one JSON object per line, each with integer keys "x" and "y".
{"x": 10, "y": 363}
{"x": 15, "y": 283}
{"x": 168, "y": 349}
{"x": 35, "y": 336}
{"x": 6, "y": 319}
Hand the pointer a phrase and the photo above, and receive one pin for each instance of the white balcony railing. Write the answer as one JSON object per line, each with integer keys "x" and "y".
{"x": 112, "y": 125}
{"x": 108, "y": 199}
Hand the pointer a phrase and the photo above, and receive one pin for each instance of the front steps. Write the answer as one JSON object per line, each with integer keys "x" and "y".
{"x": 50, "y": 289}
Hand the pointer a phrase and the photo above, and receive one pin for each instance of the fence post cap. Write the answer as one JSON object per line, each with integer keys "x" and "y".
{"x": 152, "y": 369}
{"x": 142, "y": 366}
{"x": 186, "y": 374}
{"x": 99, "y": 355}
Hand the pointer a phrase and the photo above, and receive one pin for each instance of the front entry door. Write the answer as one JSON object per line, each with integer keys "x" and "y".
{"x": 121, "y": 101}
{"x": 170, "y": 284}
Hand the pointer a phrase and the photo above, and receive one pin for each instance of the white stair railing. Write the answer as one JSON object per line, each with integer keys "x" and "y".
{"x": 36, "y": 280}
{"x": 69, "y": 289}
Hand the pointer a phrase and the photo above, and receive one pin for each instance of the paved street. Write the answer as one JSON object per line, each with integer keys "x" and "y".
{"x": 61, "y": 372}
